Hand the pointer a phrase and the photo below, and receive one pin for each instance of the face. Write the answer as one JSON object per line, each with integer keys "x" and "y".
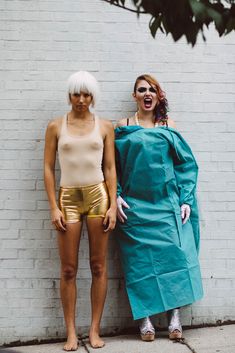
{"x": 80, "y": 101}
{"x": 145, "y": 96}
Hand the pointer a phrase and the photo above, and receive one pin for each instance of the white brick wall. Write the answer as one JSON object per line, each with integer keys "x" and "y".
{"x": 41, "y": 44}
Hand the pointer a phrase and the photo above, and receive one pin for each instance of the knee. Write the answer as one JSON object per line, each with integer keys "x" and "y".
{"x": 68, "y": 272}
{"x": 98, "y": 268}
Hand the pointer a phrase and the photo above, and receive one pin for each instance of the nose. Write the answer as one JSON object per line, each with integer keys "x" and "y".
{"x": 81, "y": 98}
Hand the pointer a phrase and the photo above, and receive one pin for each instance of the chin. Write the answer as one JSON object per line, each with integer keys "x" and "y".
{"x": 151, "y": 109}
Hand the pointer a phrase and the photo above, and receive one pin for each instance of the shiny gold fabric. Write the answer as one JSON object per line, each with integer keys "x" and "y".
{"x": 91, "y": 200}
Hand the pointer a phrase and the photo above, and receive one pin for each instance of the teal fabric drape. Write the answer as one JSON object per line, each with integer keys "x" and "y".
{"x": 157, "y": 173}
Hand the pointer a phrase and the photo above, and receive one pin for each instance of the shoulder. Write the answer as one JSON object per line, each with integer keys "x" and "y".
{"x": 54, "y": 125}
{"x": 106, "y": 124}
{"x": 106, "y": 128}
{"x": 122, "y": 122}
{"x": 171, "y": 123}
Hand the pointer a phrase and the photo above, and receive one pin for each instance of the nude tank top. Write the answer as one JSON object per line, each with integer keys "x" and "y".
{"x": 80, "y": 157}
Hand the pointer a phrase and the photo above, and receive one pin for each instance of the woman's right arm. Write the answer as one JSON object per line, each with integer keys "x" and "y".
{"x": 49, "y": 162}
{"x": 49, "y": 174}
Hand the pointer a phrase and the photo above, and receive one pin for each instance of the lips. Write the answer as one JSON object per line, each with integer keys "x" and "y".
{"x": 147, "y": 102}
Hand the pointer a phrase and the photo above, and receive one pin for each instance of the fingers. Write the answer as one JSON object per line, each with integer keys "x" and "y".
{"x": 125, "y": 204}
{"x": 105, "y": 220}
{"x": 184, "y": 220}
{"x": 119, "y": 216}
{"x": 121, "y": 213}
{"x": 182, "y": 213}
{"x": 111, "y": 225}
{"x": 109, "y": 220}
{"x": 185, "y": 213}
{"x": 121, "y": 202}
{"x": 63, "y": 223}
{"x": 60, "y": 224}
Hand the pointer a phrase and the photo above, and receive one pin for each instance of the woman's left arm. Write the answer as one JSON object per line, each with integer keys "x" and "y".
{"x": 186, "y": 173}
{"x": 109, "y": 170}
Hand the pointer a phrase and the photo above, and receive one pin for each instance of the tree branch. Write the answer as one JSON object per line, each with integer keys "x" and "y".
{"x": 124, "y": 7}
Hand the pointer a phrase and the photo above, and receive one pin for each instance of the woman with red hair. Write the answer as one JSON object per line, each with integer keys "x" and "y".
{"x": 158, "y": 230}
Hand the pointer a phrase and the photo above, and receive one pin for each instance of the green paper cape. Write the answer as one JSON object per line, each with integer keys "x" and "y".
{"x": 157, "y": 173}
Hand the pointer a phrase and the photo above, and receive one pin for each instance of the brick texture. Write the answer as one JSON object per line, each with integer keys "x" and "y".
{"x": 41, "y": 44}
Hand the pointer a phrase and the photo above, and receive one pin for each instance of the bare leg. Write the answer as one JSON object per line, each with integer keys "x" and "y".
{"x": 68, "y": 248}
{"x": 98, "y": 242}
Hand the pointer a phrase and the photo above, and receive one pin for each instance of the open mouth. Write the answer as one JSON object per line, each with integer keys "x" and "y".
{"x": 147, "y": 102}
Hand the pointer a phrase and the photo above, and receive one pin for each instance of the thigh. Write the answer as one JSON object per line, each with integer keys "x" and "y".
{"x": 98, "y": 239}
{"x": 68, "y": 243}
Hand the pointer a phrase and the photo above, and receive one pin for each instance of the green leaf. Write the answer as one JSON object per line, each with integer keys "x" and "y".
{"x": 184, "y": 17}
{"x": 155, "y": 24}
{"x": 165, "y": 24}
{"x": 192, "y": 33}
{"x": 216, "y": 16}
{"x": 230, "y": 25}
{"x": 153, "y": 7}
{"x": 199, "y": 10}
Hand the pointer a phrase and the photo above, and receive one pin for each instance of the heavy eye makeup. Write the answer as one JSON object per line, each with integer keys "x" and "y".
{"x": 144, "y": 89}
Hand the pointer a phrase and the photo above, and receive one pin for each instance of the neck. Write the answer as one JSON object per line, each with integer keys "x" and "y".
{"x": 147, "y": 122}
{"x": 146, "y": 116}
{"x": 87, "y": 115}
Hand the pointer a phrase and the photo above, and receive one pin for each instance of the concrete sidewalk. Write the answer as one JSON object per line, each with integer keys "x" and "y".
{"x": 203, "y": 340}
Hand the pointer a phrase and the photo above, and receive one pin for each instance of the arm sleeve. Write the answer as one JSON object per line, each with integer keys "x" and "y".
{"x": 186, "y": 173}
{"x": 185, "y": 168}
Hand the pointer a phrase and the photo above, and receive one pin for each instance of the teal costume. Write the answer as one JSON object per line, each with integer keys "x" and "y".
{"x": 157, "y": 173}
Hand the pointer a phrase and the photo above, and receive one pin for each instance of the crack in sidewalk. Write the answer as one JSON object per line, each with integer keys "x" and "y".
{"x": 83, "y": 344}
{"x": 184, "y": 341}
{"x": 181, "y": 341}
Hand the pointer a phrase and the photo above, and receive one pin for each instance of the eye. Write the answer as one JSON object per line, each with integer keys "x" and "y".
{"x": 86, "y": 95}
{"x": 76, "y": 95}
{"x": 142, "y": 89}
{"x": 152, "y": 90}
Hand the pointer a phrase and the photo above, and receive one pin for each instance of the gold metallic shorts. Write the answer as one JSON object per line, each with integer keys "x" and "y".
{"x": 91, "y": 200}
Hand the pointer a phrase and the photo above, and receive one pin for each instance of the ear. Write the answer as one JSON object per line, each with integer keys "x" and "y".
{"x": 134, "y": 96}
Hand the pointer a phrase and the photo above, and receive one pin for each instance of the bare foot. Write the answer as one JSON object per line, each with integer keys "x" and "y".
{"x": 95, "y": 340}
{"x": 71, "y": 344}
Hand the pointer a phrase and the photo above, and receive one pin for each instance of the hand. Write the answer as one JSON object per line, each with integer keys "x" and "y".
{"x": 185, "y": 212}
{"x": 110, "y": 219}
{"x": 121, "y": 215}
{"x": 57, "y": 218}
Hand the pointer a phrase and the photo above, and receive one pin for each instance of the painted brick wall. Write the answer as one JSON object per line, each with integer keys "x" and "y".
{"x": 41, "y": 44}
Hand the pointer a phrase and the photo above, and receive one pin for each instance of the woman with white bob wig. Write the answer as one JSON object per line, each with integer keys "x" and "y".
{"x": 85, "y": 146}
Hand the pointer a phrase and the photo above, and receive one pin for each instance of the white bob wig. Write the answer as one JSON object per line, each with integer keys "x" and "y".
{"x": 83, "y": 81}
